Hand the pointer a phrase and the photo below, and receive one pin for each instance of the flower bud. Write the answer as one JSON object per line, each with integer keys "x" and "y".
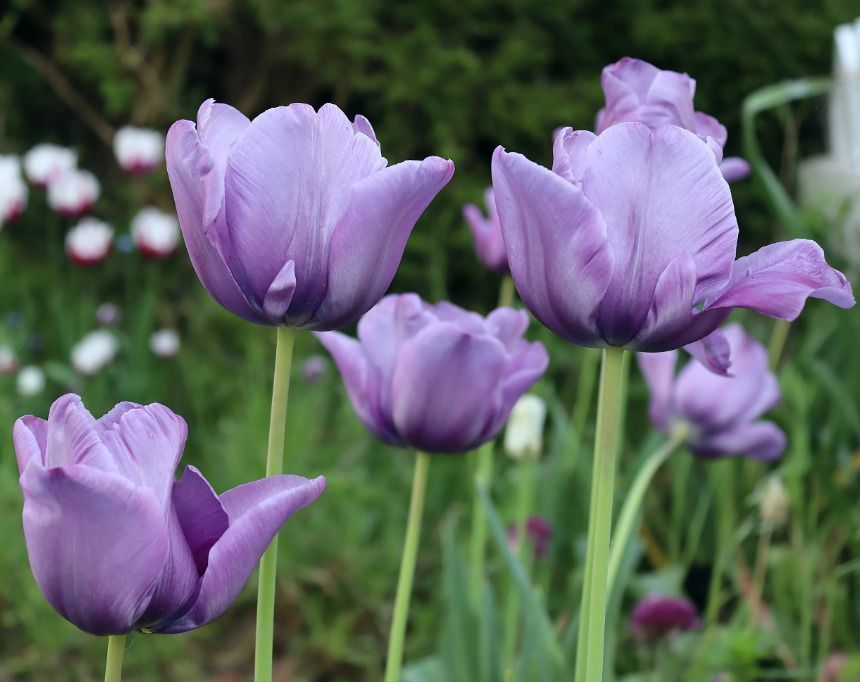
{"x": 44, "y": 163}
{"x": 524, "y": 432}
{"x": 94, "y": 352}
{"x": 138, "y": 150}
{"x": 88, "y": 242}
{"x": 155, "y": 233}
{"x": 30, "y": 381}
{"x": 73, "y": 193}
{"x": 165, "y": 343}
{"x": 774, "y": 503}
{"x": 8, "y": 360}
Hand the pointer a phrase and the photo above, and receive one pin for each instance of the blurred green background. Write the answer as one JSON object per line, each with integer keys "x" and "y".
{"x": 453, "y": 78}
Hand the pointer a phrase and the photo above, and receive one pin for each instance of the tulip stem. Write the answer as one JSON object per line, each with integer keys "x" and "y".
{"x": 115, "y": 653}
{"x": 506, "y": 292}
{"x": 483, "y": 478}
{"x": 630, "y": 510}
{"x": 394, "y": 660}
{"x": 778, "y": 337}
{"x": 592, "y": 613}
{"x": 274, "y": 466}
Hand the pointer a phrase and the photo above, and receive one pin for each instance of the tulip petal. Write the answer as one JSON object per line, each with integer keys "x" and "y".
{"x": 660, "y": 194}
{"x": 30, "y": 437}
{"x": 371, "y": 235}
{"x": 777, "y": 279}
{"x": 508, "y": 326}
{"x": 658, "y": 369}
{"x": 188, "y": 163}
{"x": 257, "y": 511}
{"x": 97, "y": 544}
{"x": 528, "y": 365}
{"x": 280, "y": 294}
{"x": 201, "y": 514}
{"x": 443, "y": 385}
{"x": 672, "y": 306}
{"x": 557, "y": 246}
{"x": 73, "y": 437}
{"x": 734, "y": 168}
{"x": 713, "y": 351}
{"x": 759, "y": 440}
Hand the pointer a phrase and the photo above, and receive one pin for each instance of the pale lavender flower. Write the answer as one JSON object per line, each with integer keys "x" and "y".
{"x": 487, "y": 234}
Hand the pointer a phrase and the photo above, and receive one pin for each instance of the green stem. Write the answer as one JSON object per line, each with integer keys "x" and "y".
{"x": 407, "y": 569}
{"x": 524, "y": 502}
{"x": 274, "y": 466}
{"x": 777, "y": 341}
{"x": 483, "y": 477}
{"x": 115, "y": 653}
{"x": 627, "y": 519}
{"x": 506, "y": 292}
{"x": 589, "y": 660}
{"x": 585, "y": 390}
{"x": 724, "y": 498}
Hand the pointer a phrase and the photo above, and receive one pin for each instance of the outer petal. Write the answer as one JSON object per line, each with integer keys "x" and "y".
{"x": 557, "y": 246}
{"x": 30, "y": 437}
{"x": 759, "y": 440}
{"x": 444, "y": 381}
{"x": 188, "y": 164}
{"x": 257, "y": 511}
{"x": 508, "y": 326}
{"x": 74, "y": 437}
{"x": 201, "y": 514}
{"x": 777, "y": 279}
{"x": 370, "y": 237}
{"x": 97, "y": 544}
{"x": 658, "y": 369}
{"x": 569, "y": 156}
{"x": 527, "y": 366}
{"x": 713, "y": 351}
{"x": 660, "y": 194}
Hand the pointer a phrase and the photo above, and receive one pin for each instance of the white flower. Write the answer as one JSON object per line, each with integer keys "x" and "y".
{"x": 73, "y": 193}
{"x": 44, "y": 163}
{"x": 13, "y": 189}
{"x": 89, "y": 242}
{"x": 94, "y": 352}
{"x": 524, "y": 432}
{"x": 774, "y": 502}
{"x": 155, "y": 232}
{"x": 165, "y": 343}
{"x": 8, "y": 360}
{"x": 138, "y": 150}
{"x": 30, "y": 381}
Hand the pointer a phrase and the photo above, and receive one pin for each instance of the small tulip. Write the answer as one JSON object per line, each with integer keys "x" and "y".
{"x": 659, "y": 616}
{"x": 30, "y": 381}
{"x": 538, "y": 535}
{"x": 138, "y": 150}
{"x": 73, "y": 193}
{"x": 8, "y": 359}
{"x": 108, "y": 314}
{"x": 637, "y": 91}
{"x": 487, "y": 234}
{"x": 313, "y": 369}
{"x": 165, "y": 343}
{"x": 155, "y": 233}
{"x": 436, "y": 377}
{"x": 294, "y": 218}
{"x": 88, "y": 243}
{"x": 13, "y": 190}
{"x": 44, "y": 163}
{"x": 94, "y": 352}
{"x": 721, "y": 412}
{"x": 115, "y": 543}
{"x": 774, "y": 502}
{"x": 524, "y": 432}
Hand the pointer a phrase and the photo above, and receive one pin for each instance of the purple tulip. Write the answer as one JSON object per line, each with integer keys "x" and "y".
{"x": 293, "y": 218}
{"x": 436, "y": 377}
{"x": 630, "y": 241}
{"x": 115, "y": 543}
{"x": 637, "y": 91}
{"x": 487, "y": 233}
{"x": 721, "y": 412}
{"x": 659, "y": 615}
{"x": 538, "y": 534}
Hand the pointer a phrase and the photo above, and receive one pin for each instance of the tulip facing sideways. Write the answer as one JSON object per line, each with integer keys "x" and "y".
{"x": 115, "y": 543}
{"x": 722, "y": 413}
{"x": 630, "y": 241}
{"x": 487, "y": 234}
{"x": 436, "y": 377}
{"x": 294, "y": 218}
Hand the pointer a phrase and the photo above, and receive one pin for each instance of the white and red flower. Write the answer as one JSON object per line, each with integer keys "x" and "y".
{"x": 44, "y": 163}
{"x": 138, "y": 150}
{"x": 13, "y": 189}
{"x": 155, "y": 233}
{"x": 89, "y": 242}
{"x": 73, "y": 193}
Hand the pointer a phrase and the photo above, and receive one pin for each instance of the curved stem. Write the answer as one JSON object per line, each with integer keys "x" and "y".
{"x": 394, "y": 660}
{"x": 115, "y": 654}
{"x": 589, "y": 663}
{"x": 274, "y": 466}
{"x": 627, "y": 519}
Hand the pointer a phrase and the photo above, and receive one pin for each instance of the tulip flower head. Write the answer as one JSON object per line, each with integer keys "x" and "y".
{"x": 8, "y": 359}
{"x": 524, "y": 432}
{"x": 138, "y": 150}
{"x": 538, "y": 533}
{"x": 630, "y": 241}
{"x": 155, "y": 233}
{"x": 313, "y": 369}
{"x": 637, "y": 91}
{"x": 44, "y": 163}
{"x": 115, "y": 543}
{"x": 30, "y": 381}
{"x": 88, "y": 243}
{"x": 436, "y": 377}
{"x": 721, "y": 412}
{"x": 487, "y": 234}
{"x": 13, "y": 190}
{"x": 94, "y": 352}
{"x": 73, "y": 193}
{"x": 659, "y": 616}
{"x": 165, "y": 343}
{"x": 294, "y": 218}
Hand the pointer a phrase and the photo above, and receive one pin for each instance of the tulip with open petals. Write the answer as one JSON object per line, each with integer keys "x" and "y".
{"x": 115, "y": 543}
{"x": 721, "y": 412}
{"x": 630, "y": 241}
{"x": 436, "y": 377}
{"x": 138, "y": 150}
{"x": 487, "y": 234}
{"x": 637, "y": 91}
{"x": 294, "y": 218}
